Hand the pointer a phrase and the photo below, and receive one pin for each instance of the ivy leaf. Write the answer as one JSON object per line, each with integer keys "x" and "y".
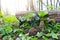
{"x": 39, "y": 34}
{"x": 54, "y": 35}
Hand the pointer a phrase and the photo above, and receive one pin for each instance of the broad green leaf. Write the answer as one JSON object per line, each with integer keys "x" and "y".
{"x": 10, "y": 19}
{"x": 54, "y": 35}
{"x": 42, "y": 14}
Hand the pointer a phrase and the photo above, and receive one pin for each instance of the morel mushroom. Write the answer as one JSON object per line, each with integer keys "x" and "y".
{"x": 32, "y": 31}
{"x": 42, "y": 24}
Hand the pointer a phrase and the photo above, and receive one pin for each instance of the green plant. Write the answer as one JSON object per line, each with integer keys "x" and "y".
{"x": 2, "y": 31}
{"x": 46, "y": 36}
{"x": 53, "y": 29}
{"x": 5, "y": 29}
{"x": 51, "y": 7}
{"x": 7, "y": 38}
{"x": 29, "y": 16}
{"x": 34, "y": 38}
{"x": 11, "y": 30}
{"x": 39, "y": 34}
{"x": 26, "y": 25}
{"x": 57, "y": 26}
{"x": 10, "y": 19}
{"x": 17, "y": 31}
{"x": 26, "y": 20}
{"x": 42, "y": 13}
{"x": 1, "y": 13}
{"x": 22, "y": 19}
{"x": 53, "y": 35}
{"x": 8, "y": 29}
{"x": 24, "y": 37}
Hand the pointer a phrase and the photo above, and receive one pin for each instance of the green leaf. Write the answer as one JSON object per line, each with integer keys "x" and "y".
{"x": 8, "y": 29}
{"x": 45, "y": 38}
{"x": 42, "y": 14}
{"x": 48, "y": 35}
{"x": 51, "y": 7}
{"x": 39, "y": 34}
{"x": 7, "y": 38}
{"x": 34, "y": 38}
{"x": 22, "y": 18}
{"x": 52, "y": 19}
{"x": 2, "y": 31}
{"x": 24, "y": 37}
{"x": 10, "y": 19}
{"x": 28, "y": 16}
{"x": 1, "y": 14}
{"x": 54, "y": 35}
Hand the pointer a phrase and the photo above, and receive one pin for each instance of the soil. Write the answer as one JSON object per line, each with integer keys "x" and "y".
{"x": 26, "y": 31}
{"x": 36, "y": 27}
{"x": 45, "y": 31}
{"x": 0, "y": 37}
{"x": 51, "y": 39}
{"x": 40, "y": 38}
{"x": 58, "y": 37}
{"x": 32, "y": 31}
{"x": 48, "y": 39}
